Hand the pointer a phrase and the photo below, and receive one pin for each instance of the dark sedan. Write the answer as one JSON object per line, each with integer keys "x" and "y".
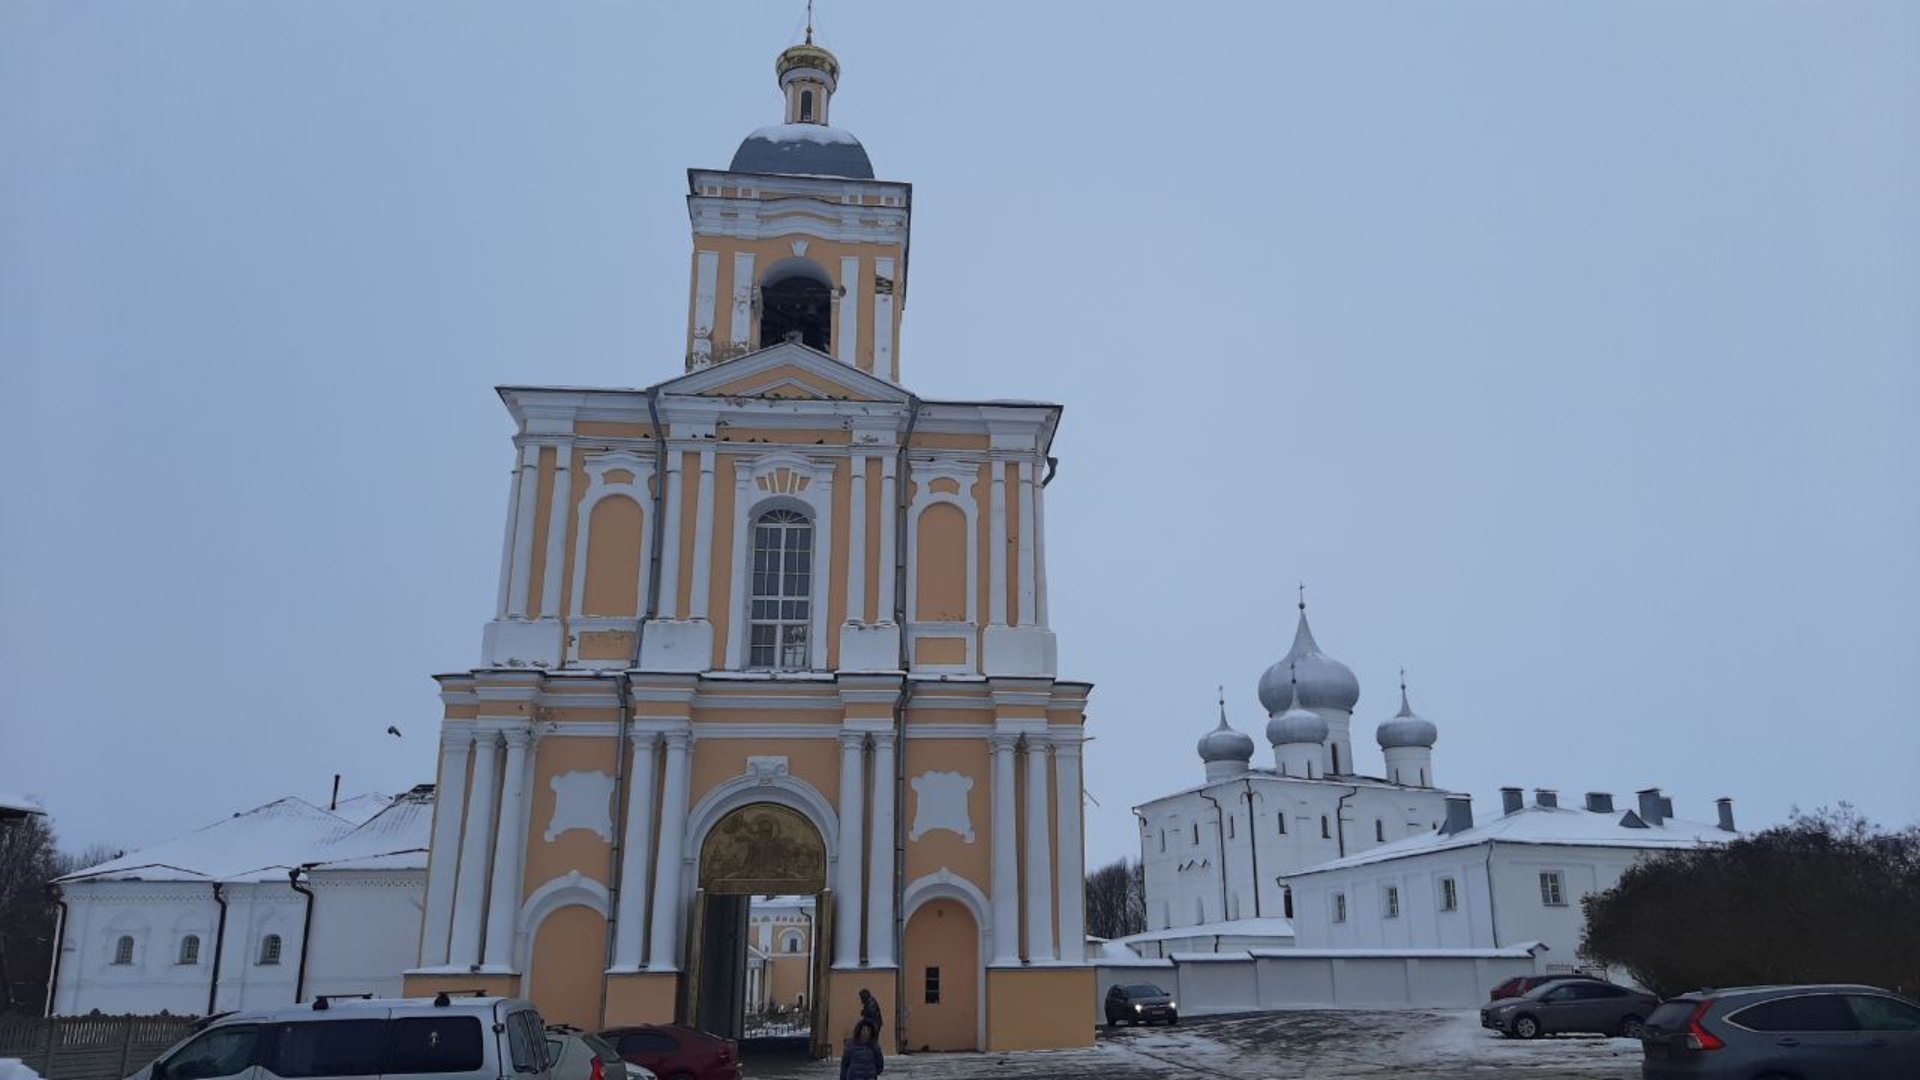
{"x": 1577, "y": 1005}
{"x": 676, "y": 1052}
{"x": 1141, "y": 1003}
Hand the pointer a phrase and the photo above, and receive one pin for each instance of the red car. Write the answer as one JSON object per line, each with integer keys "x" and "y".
{"x": 1520, "y": 984}
{"x": 676, "y": 1053}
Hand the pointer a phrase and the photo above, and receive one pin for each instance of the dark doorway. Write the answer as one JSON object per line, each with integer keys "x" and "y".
{"x": 796, "y": 305}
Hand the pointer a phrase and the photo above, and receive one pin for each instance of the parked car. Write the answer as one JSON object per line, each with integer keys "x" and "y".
{"x": 675, "y": 1052}
{"x": 1565, "y": 1005}
{"x": 438, "y": 1038}
{"x": 1520, "y": 984}
{"x": 1806, "y": 1032}
{"x": 580, "y": 1055}
{"x": 1141, "y": 1003}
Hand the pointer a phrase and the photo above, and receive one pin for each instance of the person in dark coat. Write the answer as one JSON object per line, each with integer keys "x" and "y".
{"x": 862, "y": 1059}
{"x": 870, "y": 1012}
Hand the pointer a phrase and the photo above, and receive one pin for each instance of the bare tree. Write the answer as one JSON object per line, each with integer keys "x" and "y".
{"x": 1116, "y": 900}
{"x": 28, "y": 861}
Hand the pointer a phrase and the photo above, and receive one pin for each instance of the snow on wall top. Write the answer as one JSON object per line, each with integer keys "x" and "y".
{"x": 12, "y": 805}
{"x": 1264, "y": 927}
{"x": 1558, "y": 825}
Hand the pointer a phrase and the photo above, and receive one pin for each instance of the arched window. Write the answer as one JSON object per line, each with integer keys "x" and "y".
{"x": 1281, "y": 819}
{"x": 1286, "y": 901}
{"x": 796, "y": 306}
{"x": 1326, "y": 833}
{"x": 1379, "y": 831}
{"x": 782, "y": 599}
{"x": 1336, "y": 757}
{"x": 806, "y": 106}
{"x": 190, "y": 949}
{"x": 791, "y": 943}
{"x": 123, "y": 950}
{"x": 270, "y": 949}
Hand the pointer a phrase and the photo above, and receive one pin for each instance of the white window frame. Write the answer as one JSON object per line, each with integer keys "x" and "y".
{"x": 1449, "y": 894}
{"x": 786, "y": 653}
{"x": 1553, "y": 888}
{"x": 1390, "y": 902}
{"x": 271, "y": 948}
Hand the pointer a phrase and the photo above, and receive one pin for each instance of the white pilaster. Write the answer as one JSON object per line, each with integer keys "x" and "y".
{"x": 450, "y": 803}
{"x": 527, "y": 484}
{"x": 857, "y": 542}
{"x": 997, "y": 546}
{"x": 847, "y": 349}
{"x": 822, "y": 570}
{"x": 1040, "y": 554}
{"x": 557, "y": 529}
{"x": 506, "y": 541}
{"x": 636, "y": 854}
{"x": 737, "y": 571}
{"x": 670, "y": 541}
{"x": 846, "y": 927}
{"x": 706, "y": 282}
{"x": 1039, "y": 857}
{"x": 889, "y": 521}
{"x": 883, "y": 320}
{"x": 1026, "y": 588}
{"x": 470, "y": 900}
{"x": 1068, "y": 810}
{"x": 509, "y": 851}
{"x": 702, "y": 539}
{"x": 664, "y": 951}
{"x": 1006, "y": 866}
{"x": 741, "y": 330}
{"x": 880, "y": 871}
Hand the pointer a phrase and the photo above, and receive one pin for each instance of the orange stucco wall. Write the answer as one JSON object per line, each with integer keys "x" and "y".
{"x": 1039, "y": 1008}
{"x": 942, "y": 934}
{"x": 641, "y": 998}
{"x": 942, "y": 847}
{"x": 569, "y": 953}
{"x": 613, "y": 558}
{"x": 575, "y": 849}
{"x": 542, "y": 515}
{"x": 941, "y": 565}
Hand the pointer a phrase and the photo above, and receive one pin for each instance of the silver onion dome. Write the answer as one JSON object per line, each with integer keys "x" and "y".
{"x": 1324, "y": 683}
{"x": 1406, "y": 729}
{"x": 1297, "y": 724}
{"x": 1225, "y": 744}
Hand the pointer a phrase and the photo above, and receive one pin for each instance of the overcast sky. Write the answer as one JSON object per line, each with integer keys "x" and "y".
{"x": 1566, "y": 351}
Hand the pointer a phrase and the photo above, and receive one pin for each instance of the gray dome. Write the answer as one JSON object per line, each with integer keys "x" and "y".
{"x": 1298, "y": 724}
{"x": 1406, "y": 729}
{"x": 1225, "y": 744}
{"x": 804, "y": 150}
{"x": 1324, "y": 683}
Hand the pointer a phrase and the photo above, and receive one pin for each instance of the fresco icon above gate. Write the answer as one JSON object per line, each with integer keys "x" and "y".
{"x": 764, "y": 849}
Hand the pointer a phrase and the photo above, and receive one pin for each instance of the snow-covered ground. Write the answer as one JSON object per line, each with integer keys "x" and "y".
{"x": 1414, "y": 1045}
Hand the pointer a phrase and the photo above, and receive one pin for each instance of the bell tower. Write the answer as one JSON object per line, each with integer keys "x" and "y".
{"x": 795, "y": 240}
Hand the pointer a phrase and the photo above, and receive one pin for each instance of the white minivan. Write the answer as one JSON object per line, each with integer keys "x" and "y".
{"x": 445, "y": 1037}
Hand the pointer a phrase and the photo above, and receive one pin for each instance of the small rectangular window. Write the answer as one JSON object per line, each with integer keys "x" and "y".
{"x": 1196, "y": 834}
{"x": 1163, "y": 839}
{"x": 1449, "y": 895}
{"x": 1392, "y": 905}
{"x": 933, "y": 986}
{"x": 1339, "y": 907}
{"x": 1326, "y": 830}
{"x": 1230, "y": 822}
{"x": 1551, "y": 893}
{"x": 1281, "y": 818}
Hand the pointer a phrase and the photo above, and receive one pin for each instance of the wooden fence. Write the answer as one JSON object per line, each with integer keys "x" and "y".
{"x": 89, "y": 1047}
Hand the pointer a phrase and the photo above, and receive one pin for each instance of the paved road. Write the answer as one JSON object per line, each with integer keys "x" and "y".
{"x": 1421, "y": 1045}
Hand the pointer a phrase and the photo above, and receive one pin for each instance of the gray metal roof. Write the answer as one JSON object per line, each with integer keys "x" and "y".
{"x": 803, "y": 150}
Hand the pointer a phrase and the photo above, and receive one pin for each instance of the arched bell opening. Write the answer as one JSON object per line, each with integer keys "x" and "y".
{"x": 796, "y": 304}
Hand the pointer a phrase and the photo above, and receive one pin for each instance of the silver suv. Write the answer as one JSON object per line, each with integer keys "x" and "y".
{"x": 444, "y": 1037}
{"x": 1804, "y": 1032}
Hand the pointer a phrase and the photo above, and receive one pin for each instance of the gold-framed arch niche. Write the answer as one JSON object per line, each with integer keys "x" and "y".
{"x": 763, "y": 849}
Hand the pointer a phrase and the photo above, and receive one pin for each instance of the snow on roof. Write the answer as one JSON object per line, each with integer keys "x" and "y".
{"x": 1268, "y": 927}
{"x": 361, "y": 807}
{"x": 1558, "y": 825}
{"x": 1266, "y": 773}
{"x": 262, "y": 843}
{"x": 12, "y": 805}
{"x": 813, "y": 133}
{"x": 395, "y": 838}
{"x": 772, "y": 904}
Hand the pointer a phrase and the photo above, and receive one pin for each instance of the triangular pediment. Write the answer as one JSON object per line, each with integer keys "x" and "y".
{"x": 786, "y": 371}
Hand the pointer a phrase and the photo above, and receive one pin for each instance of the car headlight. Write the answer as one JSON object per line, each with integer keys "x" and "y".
{"x": 1173, "y": 1004}
{"x": 1139, "y": 1008}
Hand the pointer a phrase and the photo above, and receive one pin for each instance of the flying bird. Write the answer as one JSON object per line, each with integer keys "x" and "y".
{"x": 393, "y": 731}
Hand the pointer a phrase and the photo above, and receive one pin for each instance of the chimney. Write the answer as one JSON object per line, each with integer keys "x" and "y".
{"x": 1599, "y": 802}
{"x": 1459, "y": 815}
{"x": 1546, "y": 797}
{"x": 1666, "y": 807}
{"x": 1511, "y": 799}
{"x": 1725, "y": 806}
{"x": 1653, "y": 808}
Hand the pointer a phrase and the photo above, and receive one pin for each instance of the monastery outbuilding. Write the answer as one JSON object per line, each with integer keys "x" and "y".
{"x": 774, "y": 626}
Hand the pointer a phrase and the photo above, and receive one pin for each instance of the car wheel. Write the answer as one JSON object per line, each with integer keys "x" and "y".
{"x": 1526, "y": 1027}
{"x": 1631, "y": 1027}
{"x": 1172, "y": 1020}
